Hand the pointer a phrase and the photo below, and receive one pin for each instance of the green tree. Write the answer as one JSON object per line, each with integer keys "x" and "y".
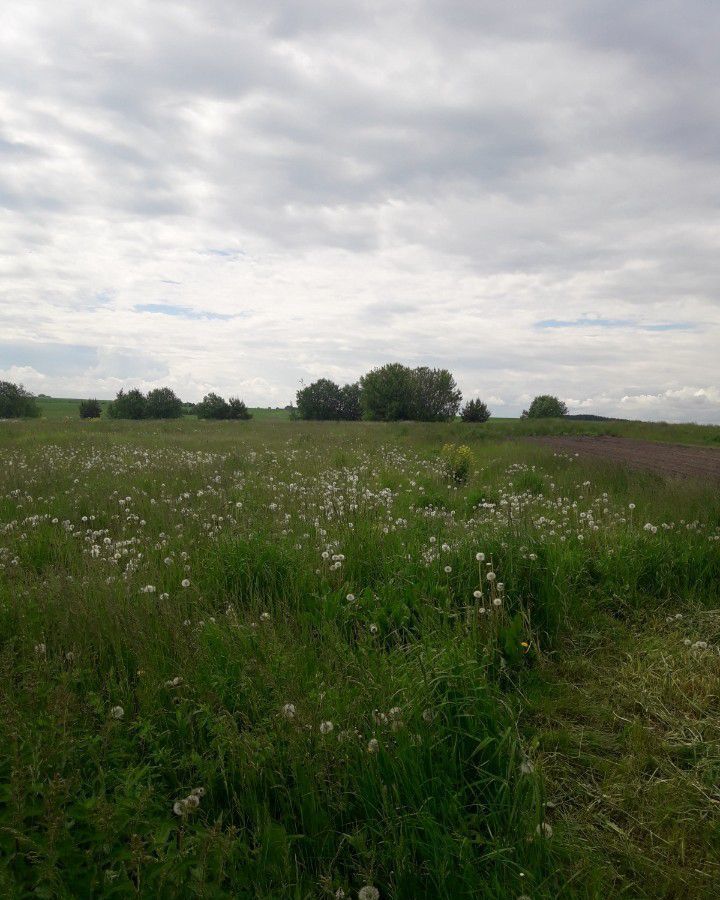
{"x": 163, "y": 403}
{"x": 475, "y": 411}
{"x": 213, "y": 406}
{"x": 387, "y": 393}
{"x": 545, "y": 406}
{"x": 435, "y": 395}
{"x": 132, "y": 405}
{"x": 323, "y": 399}
{"x": 16, "y": 402}
{"x": 394, "y": 391}
{"x": 90, "y": 409}
{"x": 237, "y": 409}
{"x": 351, "y": 402}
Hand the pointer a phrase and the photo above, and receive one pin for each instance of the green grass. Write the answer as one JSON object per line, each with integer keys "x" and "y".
{"x": 59, "y": 408}
{"x": 563, "y": 743}
{"x": 62, "y": 408}
{"x": 493, "y": 430}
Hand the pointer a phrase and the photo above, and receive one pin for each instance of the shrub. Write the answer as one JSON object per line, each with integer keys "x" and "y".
{"x": 237, "y": 409}
{"x": 163, "y": 403}
{"x": 325, "y": 400}
{"x": 475, "y": 411}
{"x": 351, "y": 402}
{"x": 546, "y": 406}
{"x": 320, "y": 400}
{"x": 387, "y": 392}
{"x": 457, "y": 461}
{"x": 213, "y": 406}
{"x": 132, "y": 405}
{"x": 395, "y": 391}
{"x": 90, "y": 409}
{"x": 16, "y": 402}
{"x": 435, "y": 395}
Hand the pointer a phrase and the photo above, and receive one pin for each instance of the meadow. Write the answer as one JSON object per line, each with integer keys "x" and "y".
{"x": 279, "y": 659}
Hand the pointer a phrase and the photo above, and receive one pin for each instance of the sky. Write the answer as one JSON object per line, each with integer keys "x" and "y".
{"x": 243, "y": 195}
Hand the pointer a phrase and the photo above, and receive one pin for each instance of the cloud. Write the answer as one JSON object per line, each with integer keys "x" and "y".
{"x": 242, "y": 195}
{"x": 599, "y": 322}
{"x": 184, "y": 312}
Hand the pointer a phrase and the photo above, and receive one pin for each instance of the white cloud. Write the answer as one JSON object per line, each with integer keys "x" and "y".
{"x": 357, "y": 183}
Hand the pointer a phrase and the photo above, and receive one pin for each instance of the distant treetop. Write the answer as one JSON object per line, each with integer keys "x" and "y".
{"x": 545, "y": 406}
{"x": 16, "y": 402}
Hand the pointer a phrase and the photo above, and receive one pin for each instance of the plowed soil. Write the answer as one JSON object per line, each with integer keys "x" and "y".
{"x": 667, "y": 459}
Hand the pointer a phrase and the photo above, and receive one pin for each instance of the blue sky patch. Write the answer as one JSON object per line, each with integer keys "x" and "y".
{"x": 585, "y": 322}
{"x": 182, "y": 312}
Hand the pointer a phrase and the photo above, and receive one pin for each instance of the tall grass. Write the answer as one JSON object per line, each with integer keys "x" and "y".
{"x": 284, "y": 615}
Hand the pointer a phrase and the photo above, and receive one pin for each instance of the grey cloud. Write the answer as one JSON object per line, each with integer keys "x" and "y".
{"x": 484, "y": 166}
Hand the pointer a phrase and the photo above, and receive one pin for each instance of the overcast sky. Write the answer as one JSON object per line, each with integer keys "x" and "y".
{"x": 235, "y": 195}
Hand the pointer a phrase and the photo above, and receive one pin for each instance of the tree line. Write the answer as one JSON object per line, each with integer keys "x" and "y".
{"x": 388, "y": 393}
{"x": 163, "y": 403}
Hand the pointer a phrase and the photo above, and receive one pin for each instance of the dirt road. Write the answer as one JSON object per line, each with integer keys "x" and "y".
{"x": 667, "y": 459}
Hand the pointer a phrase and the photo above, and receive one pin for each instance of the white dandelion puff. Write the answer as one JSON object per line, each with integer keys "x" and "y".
{"x": 368, "y": 893}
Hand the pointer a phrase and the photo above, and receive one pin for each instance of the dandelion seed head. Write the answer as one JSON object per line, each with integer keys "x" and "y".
{"x": 368, "y": 893}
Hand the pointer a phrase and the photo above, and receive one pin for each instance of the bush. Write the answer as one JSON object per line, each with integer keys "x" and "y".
{"x": 457, "y": 461}
{"x": 475, "y": 411}
{"x": 213, "y": 406}
{"x": 163, "y": 403}
{"x": 237, "y": 409}
{"x": 90, "y": 409}
{"x": 132, "y": 405}
{"x": 325, "y": 400}
{"x": 435, "y": 396}
{"x": 387, "y": 393}
{"x": 395, "y": 391}
{"x": 320, "y": 400}
{"x": 351, "y": 402}
{"x": 546, "y": 407}
{"x": 16, "y": 402}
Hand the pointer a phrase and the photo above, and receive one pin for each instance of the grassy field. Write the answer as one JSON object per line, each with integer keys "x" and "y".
{"x": 63, "y": 408}
{"x": 280, "y": 659}
{"x": 494, "y": 429}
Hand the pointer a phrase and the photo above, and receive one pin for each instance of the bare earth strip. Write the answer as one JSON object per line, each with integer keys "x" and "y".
{"x": 667, "y": 459}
